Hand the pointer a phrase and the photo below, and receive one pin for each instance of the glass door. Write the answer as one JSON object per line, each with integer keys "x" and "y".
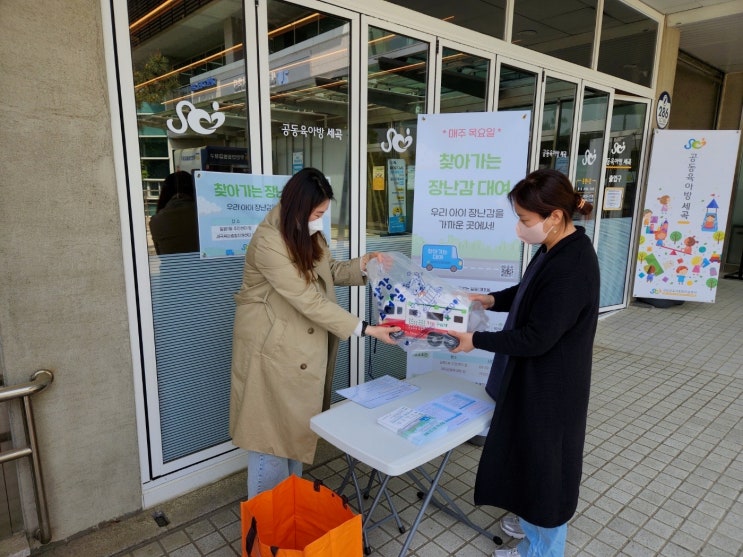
{"x": 192, "y": 94}
{"x": 618, "y": 207}
{"x": 519, "y": 88}
{"x": 309, "y": 68}
{"x": 406, "y": 77}
{"x": 397, "y": 89}
{"x": 557, "y": 123}
{"x": 463, "y": 82}
{"x": 590, "y": 154}
{"x": 557, "y": 120}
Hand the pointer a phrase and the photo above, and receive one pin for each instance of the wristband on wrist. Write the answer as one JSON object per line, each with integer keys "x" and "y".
{"x": 364, "y": 325}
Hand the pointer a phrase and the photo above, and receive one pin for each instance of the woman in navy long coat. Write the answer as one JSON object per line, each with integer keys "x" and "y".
{"x": 532, "y": 459}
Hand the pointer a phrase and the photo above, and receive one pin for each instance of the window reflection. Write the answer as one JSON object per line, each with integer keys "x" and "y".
{"x": 488, "y": 17}
{"x": 564, "y": 30}
{"x": 557, "y": 125}
{"x": 189, "y": 85}
{"x": 517, "y": 90}
{"x": 464, "y": 82}
{"x": 397, "y": 74}
{"x": 309, "y": 57}
{"x": 628, "y": 41}
{"x": 590, "y": 151}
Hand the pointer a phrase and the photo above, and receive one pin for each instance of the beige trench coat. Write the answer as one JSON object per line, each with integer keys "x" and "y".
{"x": 285, "y": 341}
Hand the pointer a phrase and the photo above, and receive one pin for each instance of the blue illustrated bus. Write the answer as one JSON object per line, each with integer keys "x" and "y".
{"x": 440, "y": 256}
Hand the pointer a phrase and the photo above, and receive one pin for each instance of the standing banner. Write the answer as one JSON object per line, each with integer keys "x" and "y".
{"x": 686, "y": 209}
{"x": 464, "y": 227}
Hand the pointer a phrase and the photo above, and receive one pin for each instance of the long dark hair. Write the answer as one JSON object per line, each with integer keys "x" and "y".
{"x": 545, "y": 190}
{"x": 178, "y": 183}
{"x": 302, "y": 193}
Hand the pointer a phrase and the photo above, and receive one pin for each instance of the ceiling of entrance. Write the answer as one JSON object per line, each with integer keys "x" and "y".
{"x": 710, "y": 29}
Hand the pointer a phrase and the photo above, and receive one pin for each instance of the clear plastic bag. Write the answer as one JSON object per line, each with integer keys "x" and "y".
{"x": 424, "y": 306}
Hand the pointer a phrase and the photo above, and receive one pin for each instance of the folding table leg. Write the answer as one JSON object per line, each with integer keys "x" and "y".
{"x": 367, "y": 491}
{"x": 367, "y": 523}
{"x": 450, "y": 507}
{"x": 366, "y": 517}
{"x": 393, "y": 509}
{"x": 424, "y": 504}
{"x": 351, "y": 474}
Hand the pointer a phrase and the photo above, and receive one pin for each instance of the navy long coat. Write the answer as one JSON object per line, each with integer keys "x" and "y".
{"x": 532, "y": 459}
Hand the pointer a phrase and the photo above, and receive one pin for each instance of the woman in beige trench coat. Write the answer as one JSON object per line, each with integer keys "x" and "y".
{"x": 286, "y": 332}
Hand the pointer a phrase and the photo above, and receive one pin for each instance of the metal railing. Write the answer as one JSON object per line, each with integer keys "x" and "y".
{"x": 39, "y": 381}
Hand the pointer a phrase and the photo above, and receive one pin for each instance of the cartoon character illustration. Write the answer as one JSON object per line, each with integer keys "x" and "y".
{"x": 689, "y": 243}
{"x": 696, "y": 261}
{"x": 709, "y": 224}
{"x": 681, "y": 272}
{"x": 664, "y": 201}
{"x": 647, "y": 216}
{"x": 661, "y": 233}
{"x": 650, "y": 270}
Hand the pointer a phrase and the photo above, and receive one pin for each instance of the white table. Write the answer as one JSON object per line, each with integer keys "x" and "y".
{"x": 353, "y": 428}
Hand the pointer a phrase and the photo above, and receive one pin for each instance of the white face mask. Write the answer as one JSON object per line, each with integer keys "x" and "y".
{"x": 534, "y": 234}
{"x": 315, "y": 226}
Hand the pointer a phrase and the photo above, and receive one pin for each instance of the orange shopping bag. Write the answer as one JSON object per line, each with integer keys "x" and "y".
{"x": 300, "y": 518}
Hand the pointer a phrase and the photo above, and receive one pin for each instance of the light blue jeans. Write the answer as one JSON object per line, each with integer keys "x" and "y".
{"x": 266, "y": 471}
{"x": 542, "y": 542}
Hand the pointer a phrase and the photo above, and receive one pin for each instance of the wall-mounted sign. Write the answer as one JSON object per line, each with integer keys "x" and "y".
{"x": 663, "y": 110}
{"x": 613, "y": 198}
{"x": 230, "y": 208}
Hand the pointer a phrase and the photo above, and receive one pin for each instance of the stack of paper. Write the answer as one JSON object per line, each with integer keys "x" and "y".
{"x": 413, "y": 425}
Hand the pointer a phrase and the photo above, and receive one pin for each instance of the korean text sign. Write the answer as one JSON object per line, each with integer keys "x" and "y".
{"x": 230, "y": 208}
{"x": 686, "y": 209}
{"x": 464, "y": 226}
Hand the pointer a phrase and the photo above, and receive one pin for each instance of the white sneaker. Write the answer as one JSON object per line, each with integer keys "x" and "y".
{"x": 513, "y": 552}
{"x": 511, "y": 526}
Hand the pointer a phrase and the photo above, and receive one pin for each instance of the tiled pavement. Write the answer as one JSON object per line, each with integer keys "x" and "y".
{"x": 663, "y": 468}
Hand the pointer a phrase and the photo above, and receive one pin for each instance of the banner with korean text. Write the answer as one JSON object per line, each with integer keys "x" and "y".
{"x": 682, "y": 232}
{"x": 230, "y": 207}
{"x": 464, "y": 227}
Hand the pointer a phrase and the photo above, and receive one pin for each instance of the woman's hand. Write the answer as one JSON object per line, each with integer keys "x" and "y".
{"x": 382, "y": 333}
{"x": 378, "y": 255}
{"x": 487, "y": 300}
{"x": 465, "y": 341}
